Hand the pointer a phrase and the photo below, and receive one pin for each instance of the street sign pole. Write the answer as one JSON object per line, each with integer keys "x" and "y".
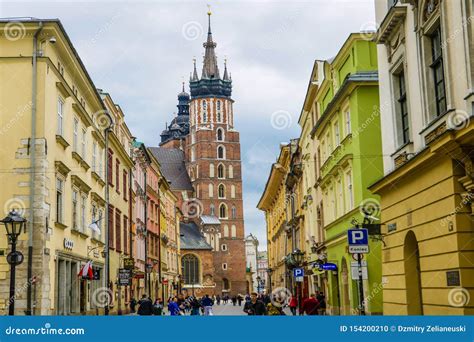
{"x": 361, "y": 285}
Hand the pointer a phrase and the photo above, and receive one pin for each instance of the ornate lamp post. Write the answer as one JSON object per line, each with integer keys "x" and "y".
{"x": 269, "y": 272}
{"x": 14, "y": 224}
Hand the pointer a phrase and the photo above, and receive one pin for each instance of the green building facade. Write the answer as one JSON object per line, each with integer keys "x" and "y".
{"x": 349, "y": 159}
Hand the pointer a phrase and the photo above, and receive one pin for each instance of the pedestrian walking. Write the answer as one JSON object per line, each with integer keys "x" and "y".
{"x": 234, "y": 300}
{"x": 255, "y": 307}
{"x": 173, "y": 307}
{"x": 322, "y": 303}
{"x": 218, "y": 300}
{"x": 207, "y": 304}
{"x": 310, "y": 305}
{"x": 158, "y": 307}
{"x": 293, "y": 304}
{"x": 133, "y": 304}
{"x": 145, "y": 306}
{"x": 195, "y": 307}
{"x": 239, "y": 299}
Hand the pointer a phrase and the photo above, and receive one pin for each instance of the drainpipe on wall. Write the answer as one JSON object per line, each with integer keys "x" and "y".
{"x": 146, "y": 232}
{"x": 33, "y": 168}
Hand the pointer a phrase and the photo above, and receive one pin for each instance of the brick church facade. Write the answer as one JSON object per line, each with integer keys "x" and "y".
{"x": 203, "y": 134}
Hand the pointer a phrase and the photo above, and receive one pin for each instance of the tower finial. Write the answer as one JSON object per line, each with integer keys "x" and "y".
{"x": 209, "y": 13}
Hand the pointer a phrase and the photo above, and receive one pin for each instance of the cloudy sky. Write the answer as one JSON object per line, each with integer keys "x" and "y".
{"x": 141, "y": 51}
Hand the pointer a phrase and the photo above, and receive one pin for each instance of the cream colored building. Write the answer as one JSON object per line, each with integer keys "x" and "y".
{"x": 121, "y": 211}
{"x": 311, "y": 192}
{"x": 426, "y": 69}
{"x": 52, "y": 174}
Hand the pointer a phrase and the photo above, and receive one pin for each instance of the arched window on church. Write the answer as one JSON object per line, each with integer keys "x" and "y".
{"x": 232, "y": 191}
{"x": 190, "y": 266}
{"x": 219, "y": 113}
{"x": 223, "y": 211}
{"x": 225, "y": 284}
{"x": 233, "y": 231}
{"x": 234, "y": 212}
{"x": 226, "y": 231}
{"x": 231, "y": 171}
{"x": 204, "y": 111}
{"x": 220, "y": 171}
{"x": 220, "y": 152}
{"x": 221, "y": 191}
{"x": 220, "y": 134}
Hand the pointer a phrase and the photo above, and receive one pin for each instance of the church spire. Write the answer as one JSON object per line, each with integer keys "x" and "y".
{"x": 226, "y": 75}
{"x": 195, "y": 74}
{"x": 210, "y": 69}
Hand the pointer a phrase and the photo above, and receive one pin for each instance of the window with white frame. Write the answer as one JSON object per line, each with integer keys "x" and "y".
{"x": 220, "y": 152}
{"x": 350, "y": 191}
{"x": 94, "y": 156}
{"x": 223, "y": 211}
{"x": 59, "y": 199}
{"x": 337, "y": 136}
{"x": 231, "y": 171}
{"x": 340, "y": 197}
{"x": 234, "y": 212}
{"x": 402, "y": 120}
{"x": 221, "y": 191}
{"x": 233, "y": 231}
{"x": 211, "y": 190}
{"x": 83, "y": 213}
{"x": 60, "y": 116}
{"x": 75, "y": 132}
{"x": 220, "y": 171}
{"x": 101, "y": 163}
{"x": 75, "y": 205}
{"x": 220, "y": 134}
{"x": 347, "y": 118}
{"x": 224, "y": 247}
{"x": 83, "y": 143}
{"x": 232, "y": 191}
{"x": 437, "y": 67}
{"x": 224, "y": 266}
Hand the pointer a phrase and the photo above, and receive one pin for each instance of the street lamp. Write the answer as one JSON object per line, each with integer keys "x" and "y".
{"x": 13, "y": 223}
{"x": 269, "y": 271}
{"x": 297, "y": 257}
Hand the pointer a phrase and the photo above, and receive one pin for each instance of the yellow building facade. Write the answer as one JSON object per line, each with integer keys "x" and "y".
{"x": 52, "y": 177}
{"x": 425, "y": 57}
{"x": 274, "y": 204}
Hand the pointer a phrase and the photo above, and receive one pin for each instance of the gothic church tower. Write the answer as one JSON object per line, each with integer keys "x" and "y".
{"x": 214, "y": 166}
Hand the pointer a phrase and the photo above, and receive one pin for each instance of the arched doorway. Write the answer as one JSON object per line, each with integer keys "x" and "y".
{"x": 346, "y": 302}
{"x": 412, "y": 275}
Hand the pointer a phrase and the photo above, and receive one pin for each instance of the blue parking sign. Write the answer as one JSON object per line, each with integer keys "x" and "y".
{"x": 358, "y": 237}
{"x": 298, "y": 272}
{"x": 358, "y": 240}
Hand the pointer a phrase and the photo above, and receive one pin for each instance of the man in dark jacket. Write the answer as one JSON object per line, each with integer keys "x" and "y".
{"x": 310, "y": 305}
{"x": 146, "y": 306}
{"x": 255, "y": 307}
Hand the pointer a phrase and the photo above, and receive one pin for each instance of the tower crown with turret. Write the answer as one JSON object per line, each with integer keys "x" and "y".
{"x": 210, "y": 83}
